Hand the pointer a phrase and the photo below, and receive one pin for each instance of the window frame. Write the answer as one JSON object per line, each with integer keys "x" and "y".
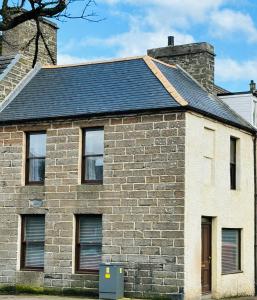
{"x": 78, "y": 270}
{"x": 233, "y": 181}
{"x": 84, "y": 156}
{"x": 24, "y": 244}
{"x": 239, "y": 245}
{"x": 28, "y": 159}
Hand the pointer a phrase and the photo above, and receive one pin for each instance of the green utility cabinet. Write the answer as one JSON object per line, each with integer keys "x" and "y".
{"x": 111, "y": 281}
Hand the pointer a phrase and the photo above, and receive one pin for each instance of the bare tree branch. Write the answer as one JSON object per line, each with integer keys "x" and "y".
{"x": 16, "y": 12}
{"x": 47, "y": 48}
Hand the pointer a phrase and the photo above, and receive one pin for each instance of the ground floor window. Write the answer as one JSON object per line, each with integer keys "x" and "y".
{"x": 88, "y": 242}
{"x": 231, "y": 256}
{"x": 33, "y": 242}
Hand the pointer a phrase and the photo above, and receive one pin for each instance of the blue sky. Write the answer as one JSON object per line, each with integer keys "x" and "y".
{"x": 130, "y": 27}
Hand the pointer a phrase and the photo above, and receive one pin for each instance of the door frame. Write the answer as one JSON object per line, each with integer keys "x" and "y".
{"x": 207, "y": 221}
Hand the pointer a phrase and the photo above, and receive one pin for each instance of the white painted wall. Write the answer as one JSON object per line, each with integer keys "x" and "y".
{"x": 243, "y": 104}
{"x": 230, "y": 209}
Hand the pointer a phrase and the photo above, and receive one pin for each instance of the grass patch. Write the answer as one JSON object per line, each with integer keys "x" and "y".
{"x": 23, "y": 289}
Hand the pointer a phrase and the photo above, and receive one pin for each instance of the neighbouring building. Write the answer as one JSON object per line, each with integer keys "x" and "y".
{"x": 244, "y": 103}
{"x": 129, "y": 161}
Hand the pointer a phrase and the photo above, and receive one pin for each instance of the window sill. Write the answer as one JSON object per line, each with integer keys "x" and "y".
{"x": 32, "y": 270}
{"x": 87, "y": 272}
{"x": 91, "y": 182}
{"x": 34, "y": 183}
{"x": 232, "y": 273}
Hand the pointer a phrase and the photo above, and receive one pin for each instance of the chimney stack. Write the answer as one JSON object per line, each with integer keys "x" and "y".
{"x": 19, "y": 40}
{"x": 196, "y": 58}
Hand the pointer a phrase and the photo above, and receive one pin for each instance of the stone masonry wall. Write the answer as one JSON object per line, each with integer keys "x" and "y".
{"x": 19, "y": 40}
{"x": 197, "y": 59}
{"x": 141, "y": 200}
{"x": 13, "y": 77}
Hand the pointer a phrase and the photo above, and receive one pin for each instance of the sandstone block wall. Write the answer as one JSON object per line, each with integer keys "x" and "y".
{"x": 15, "y": 75}
{"x": 21, "y": 39}
{"x": 141, "y": 201}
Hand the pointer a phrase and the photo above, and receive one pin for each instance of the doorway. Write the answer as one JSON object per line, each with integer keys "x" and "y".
{"x": 206, "y": 255}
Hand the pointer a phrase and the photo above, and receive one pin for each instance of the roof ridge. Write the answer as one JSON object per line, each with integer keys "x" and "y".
{"x": 93, "y": 62}
{"x": 165, "y": 82}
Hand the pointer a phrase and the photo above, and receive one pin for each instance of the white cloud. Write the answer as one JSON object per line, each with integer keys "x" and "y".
{"x": 228, "y": 70}
{"x": 177, "y": 12}
{"x": 136, "y": 42}
{"x": 64, "y": 59}
{"x": 143, "y": 34}
{"x": 177, "y": 15}
{"x": 227, "y": 22}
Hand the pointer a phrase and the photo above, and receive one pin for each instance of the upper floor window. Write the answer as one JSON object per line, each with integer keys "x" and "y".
{"x": 33, "y": 242}
{"x": 35, "y": 157}
{"x": 233, "y": 162}
{"x": 92, "y": 160}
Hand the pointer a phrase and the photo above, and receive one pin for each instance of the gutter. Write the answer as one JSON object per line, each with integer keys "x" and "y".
{"x": 117, "y": 114}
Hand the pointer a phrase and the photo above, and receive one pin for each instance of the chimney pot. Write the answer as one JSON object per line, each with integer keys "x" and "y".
{"x": 170, "y": 40}
{"x": 252, "y": 86}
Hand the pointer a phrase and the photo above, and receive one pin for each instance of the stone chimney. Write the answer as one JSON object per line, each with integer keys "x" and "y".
{"x": 17, "y": 49}
{"x": 18, "y": 40}
{"x": 197, "y": 59}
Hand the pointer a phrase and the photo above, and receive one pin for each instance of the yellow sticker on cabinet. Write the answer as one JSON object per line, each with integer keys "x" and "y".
{"x": 107, "y": 276}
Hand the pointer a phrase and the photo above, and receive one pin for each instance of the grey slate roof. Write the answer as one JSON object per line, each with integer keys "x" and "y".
{"x": 111, "y": 87}
{"x": 219, "y": 90}
{"x": 5, "y": 61}
{"x": 198, "y": 98}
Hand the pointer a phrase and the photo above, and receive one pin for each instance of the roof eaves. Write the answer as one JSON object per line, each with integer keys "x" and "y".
{"x": 96, "y": 115}
{"x": 165, "y": 82}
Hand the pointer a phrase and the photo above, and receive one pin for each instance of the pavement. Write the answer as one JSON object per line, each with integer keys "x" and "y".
{"x": 40, "y": 297}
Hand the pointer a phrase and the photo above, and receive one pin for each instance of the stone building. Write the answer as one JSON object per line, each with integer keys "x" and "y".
{"x": 128, "y": 161}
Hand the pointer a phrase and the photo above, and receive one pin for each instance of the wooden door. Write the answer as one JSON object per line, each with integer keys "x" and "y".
{"x": 206, "y": 255}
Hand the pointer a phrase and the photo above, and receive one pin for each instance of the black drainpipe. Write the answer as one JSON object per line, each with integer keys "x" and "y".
{"x": 255, "y": 214}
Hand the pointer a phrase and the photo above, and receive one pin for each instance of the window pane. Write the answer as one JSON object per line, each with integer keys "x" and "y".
{"x": 37, "y": 145}
{"x": 90, "y": 230}
{"x": 36, "y": 170}
{"x": 233, "y": 150}
{"x": 94, "y": 142}
{"x": 232, "y": 176}
{"x": 230, "y": 251}
{"x": 94, "y": 168}
{"x": 90, "y": 257}
{"x": 34, "y": 237}
{"x": 34, "y": 257}
{"x": 90, "y": 239}
{"x": 35, "y": 228}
